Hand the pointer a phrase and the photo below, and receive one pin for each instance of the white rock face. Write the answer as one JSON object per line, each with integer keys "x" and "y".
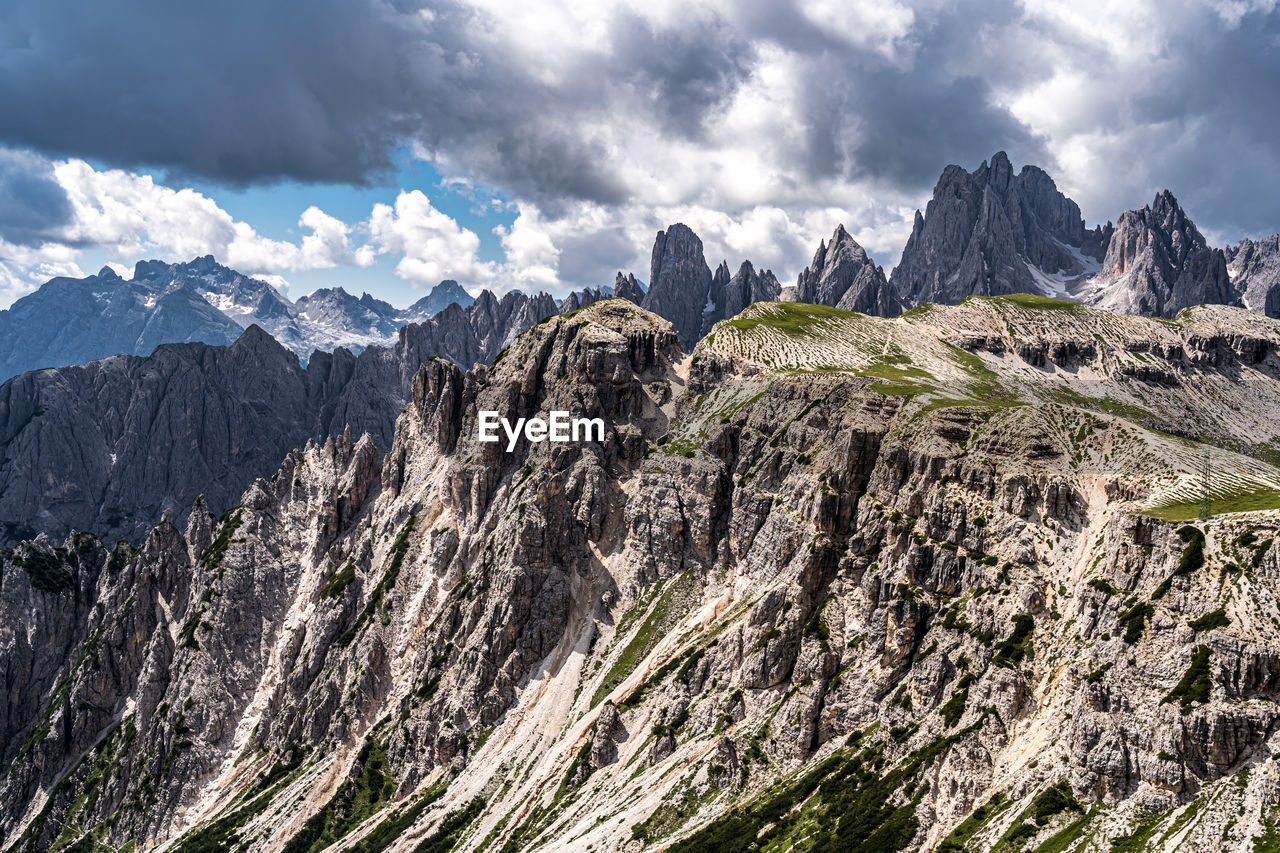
{"x": 828, "y": 578}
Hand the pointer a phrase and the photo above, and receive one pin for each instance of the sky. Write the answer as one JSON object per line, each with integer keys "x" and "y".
{"x": 384, "y": 145}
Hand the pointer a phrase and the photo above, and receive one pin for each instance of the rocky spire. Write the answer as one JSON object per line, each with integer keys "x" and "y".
{"x": 628, "y": 288}
{"x": 745, "y": 287}
{"x": 1254, "y": 268}
{"x": 1158, "y": 263}
{"x": 842, "y": 275}
{"x": 680, "y": 282}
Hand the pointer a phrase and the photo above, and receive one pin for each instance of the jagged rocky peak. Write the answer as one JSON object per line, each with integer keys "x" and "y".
{"x": 843, "y": 275}
{"x": 1159, "y": 263}
{"x": 683, "y": 289}
{"x": 680, "y": 282}
{"x": 1254, "y": 268}
{"x": 993, "y": 232}
{"x": 440, "y": 297}
{"x": 582, "y": 298}
{"x": 744, "y": 288}
{"x": 628, "y": 288}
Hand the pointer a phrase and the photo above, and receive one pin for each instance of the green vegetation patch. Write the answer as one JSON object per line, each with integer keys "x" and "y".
{"x": 1220, "y": 504}
{"x": 973, "y": 824}
{"x": 793, "y": 319}
{"x": 1017, "y": 646}
{"x": 340, "y": 581}
{"x": 354, "y": 803}
{"x": 451, "y": 830}
{"x": 394, "y": 825}
{"x": 228, "y": 524}
{"x": 1134, "y": 619}
{"x": 398, "y": 550}
{"x": 1030, "y": 301}
{"x": 1196, "y": 683}
{"x": 47, "y": 571}
{"x": 223, "y": 832}
{"x": 1209, "y": 621}
{"x": 850, "y": 802}
{"x": 1192, "y": 558}
{"x": 661, "y": 617}
{"x": 1047, "y": 804}
{"x": 953, "y": 709}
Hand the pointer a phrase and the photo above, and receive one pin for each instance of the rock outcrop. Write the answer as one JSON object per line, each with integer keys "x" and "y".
{"x": 626, "y": 287}
{"x": 683, "y": 289}
{"x": 1254, "y": 269}
{"x": 843, "y": 276}
{"x": 1158, "y": 263}
{"x": 994, "y": 232}
{"x": 680, "y": 283}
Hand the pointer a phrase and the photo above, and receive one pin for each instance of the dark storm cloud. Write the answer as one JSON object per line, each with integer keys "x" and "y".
{"x": 242, "y": 92}
{"x": 683, "y": 73}
{"x": 34, "y": 208}
{"x": 236, "y": 91}
{"x": 1213, "y": 122}
{"x": 245, "y": 92}
{"x": 896, "y": 117}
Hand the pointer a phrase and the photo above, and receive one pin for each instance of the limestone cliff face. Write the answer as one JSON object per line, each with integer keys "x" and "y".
{"x": 830, "y": 578}
{"x": 679, "y": 282}
{"x": 1158, "y": 263}
{"x": 1254, "y": 268}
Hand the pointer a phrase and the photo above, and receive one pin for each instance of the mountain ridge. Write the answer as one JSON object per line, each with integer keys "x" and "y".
{"x": 829, "y": 579}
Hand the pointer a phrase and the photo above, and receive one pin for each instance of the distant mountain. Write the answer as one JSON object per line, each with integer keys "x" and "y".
{"x": 439, "y": 298}
{"x": 1158, "y": 263}
{"x": 108, "y": 445}
{"x": 68, "y": 321}
{"x": 626, "y": 287}
{"x": 71, "y": 321}
{"x": 993, "y": 232}
{"x": 1254, "y": 269}
{"x": 843, "y": 276}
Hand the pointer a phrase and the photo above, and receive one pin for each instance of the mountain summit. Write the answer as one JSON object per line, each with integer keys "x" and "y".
{"x": 843, "y": 276}
{"x": 993, "y": 232}
{"x": 1158, "y": 263}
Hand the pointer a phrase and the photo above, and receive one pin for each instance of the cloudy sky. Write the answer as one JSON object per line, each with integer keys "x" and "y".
{"x": 386, "y": 144}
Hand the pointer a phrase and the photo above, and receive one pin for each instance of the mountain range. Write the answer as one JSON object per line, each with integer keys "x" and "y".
{"x": 109, "y": 445}
{"x": 996, "y": 576}
{"x": 71, "y": 321}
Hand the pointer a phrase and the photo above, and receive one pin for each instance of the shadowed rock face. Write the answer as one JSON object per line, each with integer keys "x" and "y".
{"x": 764, "y": 574}
{"x": 69, "y": 321}
{"x": 626, "y": 287}
{"x": 981, "y": 230}
{"x": 1254, "y": 268}
{"x": 843, "y": 276}
{"x": 683, "y": 289}
{"x": 679, "y": 282}
{"x": 1158, "y": 263}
